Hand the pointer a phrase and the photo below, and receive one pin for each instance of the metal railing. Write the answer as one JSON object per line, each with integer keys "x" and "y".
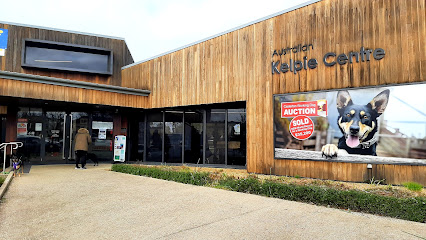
{"x": 13, "y": 146}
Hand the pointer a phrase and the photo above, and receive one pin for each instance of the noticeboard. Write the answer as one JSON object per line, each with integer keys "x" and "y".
{"x": 120, "y": 148}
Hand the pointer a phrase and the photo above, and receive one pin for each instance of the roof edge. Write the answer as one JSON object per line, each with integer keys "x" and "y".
{"x": 225, "y": 32}
{"x": 60, "y": 30}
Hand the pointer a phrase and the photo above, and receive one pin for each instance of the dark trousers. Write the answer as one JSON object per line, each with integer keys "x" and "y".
{"x": 80, "y": 156}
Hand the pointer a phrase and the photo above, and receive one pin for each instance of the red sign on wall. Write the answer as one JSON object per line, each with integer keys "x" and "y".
{"x": 310, "y": 108}
{"x": 301, "y": 127}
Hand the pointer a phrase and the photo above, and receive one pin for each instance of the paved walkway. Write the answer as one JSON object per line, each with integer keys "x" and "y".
{"x": 59, "y": 202}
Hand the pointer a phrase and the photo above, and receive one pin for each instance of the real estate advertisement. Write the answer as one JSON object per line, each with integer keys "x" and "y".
{"x": 384, "y": 121}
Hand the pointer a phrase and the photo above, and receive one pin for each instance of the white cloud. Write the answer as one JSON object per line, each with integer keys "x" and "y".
{"x": 150, "y": 27}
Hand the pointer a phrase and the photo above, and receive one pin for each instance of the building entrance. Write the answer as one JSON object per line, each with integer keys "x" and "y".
{"x": 47, "y": 135}
{"x": 56, "y": 137}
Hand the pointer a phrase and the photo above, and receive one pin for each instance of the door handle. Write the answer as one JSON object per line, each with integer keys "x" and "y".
{"x": 63, "y": 136}
{"x": 69, "y": 136}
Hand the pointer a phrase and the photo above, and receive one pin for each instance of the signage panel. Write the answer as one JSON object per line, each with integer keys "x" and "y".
{"x": 120, "y": 148}
{"x": 311, "y": 109}
{"x": 384, "y": 121}
{"x": 3, "y": 41}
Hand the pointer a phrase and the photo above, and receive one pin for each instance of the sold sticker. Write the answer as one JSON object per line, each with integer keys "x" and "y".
{"x": 301, "y": 127}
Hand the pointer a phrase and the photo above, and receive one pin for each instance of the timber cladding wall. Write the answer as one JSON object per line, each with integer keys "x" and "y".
{"x": 24, "y": 89}
{"x": 12, "y": 60}
{"x": 237, "y": 67}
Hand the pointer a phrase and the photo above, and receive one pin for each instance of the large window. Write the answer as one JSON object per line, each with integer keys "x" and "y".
{"x": 173, "y": 136}
{"x": 68, "y": 57}
{"x": 29, "y": 132}
{"x": 141, "y": 141}
{"x": 213, "y": 134}
{"x": 155, "y": 137}
{"x": 193, "y": 136}
{"x": 236, "y": 136}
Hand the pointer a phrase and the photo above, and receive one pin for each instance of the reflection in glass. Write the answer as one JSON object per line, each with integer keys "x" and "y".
{"x": 29, "y": 132}
{"x": 215, "y": 135}
{"x": 54, "y": 135}
{"x": 102, "y": 136}
{"x": 141, "y": 144}
{"x": 193, "y": 137}
{"x": 173, "y": 137}
{"x": 65, "y": 59}
{"x": 79, "y": 120}
{"x": 154, "y": 137}
{"x": 187, "y": 127}
{"x": 237, "y": 137}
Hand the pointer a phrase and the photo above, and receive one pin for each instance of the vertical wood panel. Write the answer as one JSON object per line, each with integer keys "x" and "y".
{"x": 237, "y": 67}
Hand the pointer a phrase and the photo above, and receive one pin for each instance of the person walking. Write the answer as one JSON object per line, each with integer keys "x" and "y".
{"x": 82, "y": 141}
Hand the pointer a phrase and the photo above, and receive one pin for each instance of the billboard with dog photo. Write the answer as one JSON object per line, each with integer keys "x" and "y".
{"x": 383, "y": 121}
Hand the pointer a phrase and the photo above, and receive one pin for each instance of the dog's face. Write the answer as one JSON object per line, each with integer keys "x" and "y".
{"x": 357, "y": 121}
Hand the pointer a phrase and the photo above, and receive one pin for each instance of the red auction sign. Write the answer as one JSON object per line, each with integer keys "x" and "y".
{"x": 310, "y": 108}
{"x": 301, "y": 127}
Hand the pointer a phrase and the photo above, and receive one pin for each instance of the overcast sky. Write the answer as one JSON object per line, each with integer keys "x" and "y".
{"x": 149, "y": 27}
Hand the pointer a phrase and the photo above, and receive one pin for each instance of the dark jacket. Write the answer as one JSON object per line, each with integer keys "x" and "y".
{"x": 82, "y": 140}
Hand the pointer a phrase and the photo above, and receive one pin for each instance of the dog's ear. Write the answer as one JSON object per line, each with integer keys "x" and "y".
{"x": 343, "y": 100}
{"x": 380, "y": 102}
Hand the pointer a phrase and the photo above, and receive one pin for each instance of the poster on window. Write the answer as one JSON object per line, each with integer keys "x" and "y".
{"x": 387, "y": 123}
{"x": 38, "y": 127}
{"x": 22, "y": 129}
{"x": 102, "y": 134}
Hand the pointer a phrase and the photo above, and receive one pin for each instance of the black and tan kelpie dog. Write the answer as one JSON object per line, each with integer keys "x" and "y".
{"x": 17, "y": 164}
{"x": 358, "y": 124}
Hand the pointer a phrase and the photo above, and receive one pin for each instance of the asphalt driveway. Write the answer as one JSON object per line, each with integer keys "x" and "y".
{"x": 60, "y": 202}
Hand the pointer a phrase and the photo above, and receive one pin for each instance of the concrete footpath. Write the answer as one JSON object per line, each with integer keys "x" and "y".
{"x": 60, "y": 202}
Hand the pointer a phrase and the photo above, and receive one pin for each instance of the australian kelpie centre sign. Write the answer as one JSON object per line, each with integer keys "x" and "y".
{"x": 329, "y": 59}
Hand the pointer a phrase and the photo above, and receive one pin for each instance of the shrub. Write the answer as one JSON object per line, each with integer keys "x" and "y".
{"x": 413, "y": 186}
{"x": 188, "y": 177}
{"x": 2, "y": 179}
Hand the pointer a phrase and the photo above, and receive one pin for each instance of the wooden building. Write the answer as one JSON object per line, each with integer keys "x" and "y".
{"x": 49, "y": 76}
{"x": 211, "y": 102}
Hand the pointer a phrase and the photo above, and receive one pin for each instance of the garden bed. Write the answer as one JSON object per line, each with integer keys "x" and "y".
{"x": 2, "y": 179}
{"x": 386, "y": 200}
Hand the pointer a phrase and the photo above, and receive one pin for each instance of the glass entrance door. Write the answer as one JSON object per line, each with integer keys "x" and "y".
{"x": 76, "y": 121}
{"x": 46, "y": 136}
{"x": 56, "y": 134}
